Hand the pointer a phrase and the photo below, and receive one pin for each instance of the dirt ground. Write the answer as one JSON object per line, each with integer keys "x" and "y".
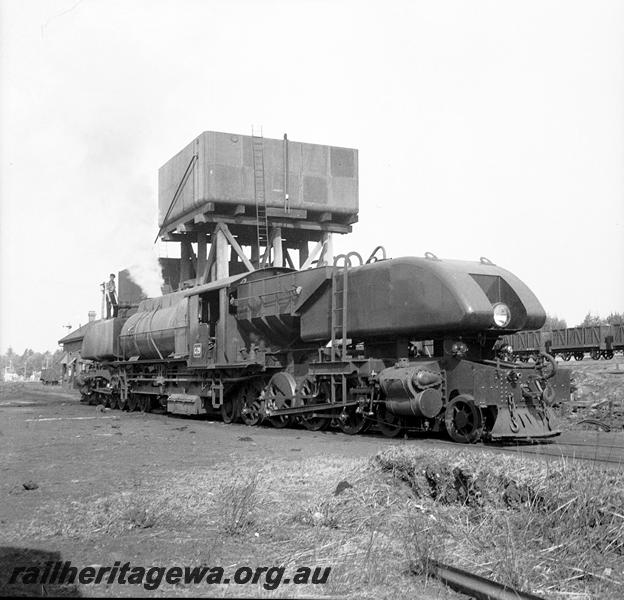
{"x": 599, "y": 394}
{"x": 79, "y": 457}
{"x": 157, "y": 490}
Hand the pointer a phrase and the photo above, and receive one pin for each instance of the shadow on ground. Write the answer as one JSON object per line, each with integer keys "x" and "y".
{"x": 35, "y": 562}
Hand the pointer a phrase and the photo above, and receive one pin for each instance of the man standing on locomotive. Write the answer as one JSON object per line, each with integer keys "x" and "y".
{"x": 111, "y": 297}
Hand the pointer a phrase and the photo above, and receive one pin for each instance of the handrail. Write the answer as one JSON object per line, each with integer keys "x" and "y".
{"x": 374, "y": 252}
{"x": 178, "y": 190}
{"x": 347, "y": 260}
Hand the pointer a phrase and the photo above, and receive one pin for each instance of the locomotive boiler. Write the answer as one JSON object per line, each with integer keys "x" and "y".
{"x": 404, "y": 344}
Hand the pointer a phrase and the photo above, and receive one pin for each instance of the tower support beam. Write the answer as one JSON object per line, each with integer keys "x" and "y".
{"x": 276, "y": 242}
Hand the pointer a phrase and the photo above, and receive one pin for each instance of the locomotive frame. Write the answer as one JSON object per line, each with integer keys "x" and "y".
{"x": 257, "y": 356}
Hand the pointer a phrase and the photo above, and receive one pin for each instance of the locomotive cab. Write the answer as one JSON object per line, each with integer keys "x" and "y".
{"x": 203, "y": 318}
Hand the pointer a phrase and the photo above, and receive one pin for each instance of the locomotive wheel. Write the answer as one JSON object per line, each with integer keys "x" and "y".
{"x": 578, "y": 356}
{"x": 595, "y": 354}
{"x": 280, "y": 393}
{"x": 388, "y": 423}
{"x": 250, "y": 404}
{"x": 566, "y": 356}
{"x": 308, "y": 388}
{"x": 463, "y": 420}
{"x": 352, "y": 422}
{"x": 113, "y": 401}
{"x": 122, "y": 404}
{"x": 230, "y": 410}
{"x": 312, "y": 423}
{"x": 608, "y": 354}
{"x": 132, "y": 402}
{"x": 145, "y": 404}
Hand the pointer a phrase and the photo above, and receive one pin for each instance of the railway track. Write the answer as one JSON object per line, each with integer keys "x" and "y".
{"x": 606, "y": 449}
{"x": 603, "y": 454}
{"x": 594, "y": 446}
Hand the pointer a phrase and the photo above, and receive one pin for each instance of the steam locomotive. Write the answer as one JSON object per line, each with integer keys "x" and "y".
{"x": 404, "y": 344}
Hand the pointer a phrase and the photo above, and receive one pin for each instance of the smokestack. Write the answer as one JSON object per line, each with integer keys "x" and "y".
{"x": 91, "y": 316}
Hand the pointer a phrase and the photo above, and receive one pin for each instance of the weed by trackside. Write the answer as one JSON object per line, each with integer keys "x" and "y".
{"x": 237, "y": 503}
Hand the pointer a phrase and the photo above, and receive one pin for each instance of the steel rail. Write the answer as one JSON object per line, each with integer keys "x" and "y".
{"x": 589, "y": 445}
{"x": 474, "y": 585}
{"x": 555, "y": 450}
{"x": 593, "y": 457}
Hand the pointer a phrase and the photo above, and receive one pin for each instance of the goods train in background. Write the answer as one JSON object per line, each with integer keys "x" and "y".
{"x": 599, "y": 341}
{"x": 338, "y": 342}
{"x": 282, "y": 358}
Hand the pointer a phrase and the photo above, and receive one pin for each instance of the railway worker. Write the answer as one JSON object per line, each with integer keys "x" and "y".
{"x": 111, "y": 297}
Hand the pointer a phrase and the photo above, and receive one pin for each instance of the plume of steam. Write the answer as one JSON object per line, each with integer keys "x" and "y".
{"x": 146, "y": 272}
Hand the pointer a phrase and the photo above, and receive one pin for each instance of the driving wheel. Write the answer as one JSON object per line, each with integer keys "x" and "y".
{"x": 388, "y": 423}
{"x": 132, "y": 402}
{"x": 463, "y": 420}
{"x": 352, "y": 421}
{"x": 311, "y": 392}
{"x": 145, "y": 403}
{"x": 250, "y": 403}
{"x": 280, "y": 393}
{"x": 230, "y": 409}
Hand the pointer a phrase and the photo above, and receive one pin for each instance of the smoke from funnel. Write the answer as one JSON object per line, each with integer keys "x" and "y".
{"x": 146, "y": 272}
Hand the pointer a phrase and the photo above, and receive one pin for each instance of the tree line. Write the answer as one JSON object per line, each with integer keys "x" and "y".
{"x": 590, "y": 320}
{"x": 29, "y": 361}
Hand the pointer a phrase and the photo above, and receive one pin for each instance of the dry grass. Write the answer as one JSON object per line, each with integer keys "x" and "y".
{"x": 237, "y": 503}
{"x": 171, "y": 500}
{"x": 556, "y": 529}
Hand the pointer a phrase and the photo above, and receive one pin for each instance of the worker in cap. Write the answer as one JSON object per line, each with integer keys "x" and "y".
{"x": 111, "y": 297}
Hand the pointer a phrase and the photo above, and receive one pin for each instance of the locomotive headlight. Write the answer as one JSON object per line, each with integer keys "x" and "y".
{"x": 502, "y": 315}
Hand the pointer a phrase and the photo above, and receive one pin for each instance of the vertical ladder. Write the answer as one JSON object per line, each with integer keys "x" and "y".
{"x": 340, "y": 289}
{"x": 262, "y": 224}
{"x": 339, "y": 315}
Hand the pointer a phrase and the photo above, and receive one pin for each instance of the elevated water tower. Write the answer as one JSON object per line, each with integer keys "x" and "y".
{"x": 236, "y": 203}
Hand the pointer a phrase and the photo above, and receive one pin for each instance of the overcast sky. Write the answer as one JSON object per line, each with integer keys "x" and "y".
{"x": 484, "y": 129}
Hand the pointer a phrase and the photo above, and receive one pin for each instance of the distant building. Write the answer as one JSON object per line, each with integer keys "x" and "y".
{"x": 70, "y": 362}
{"x": 10, "y": 375}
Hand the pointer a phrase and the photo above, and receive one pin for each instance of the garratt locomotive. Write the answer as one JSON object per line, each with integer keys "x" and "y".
{"x": 337, "y": 346}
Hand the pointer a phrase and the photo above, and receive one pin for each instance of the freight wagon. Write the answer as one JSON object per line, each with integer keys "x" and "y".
{"x": 600, "y": 341}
